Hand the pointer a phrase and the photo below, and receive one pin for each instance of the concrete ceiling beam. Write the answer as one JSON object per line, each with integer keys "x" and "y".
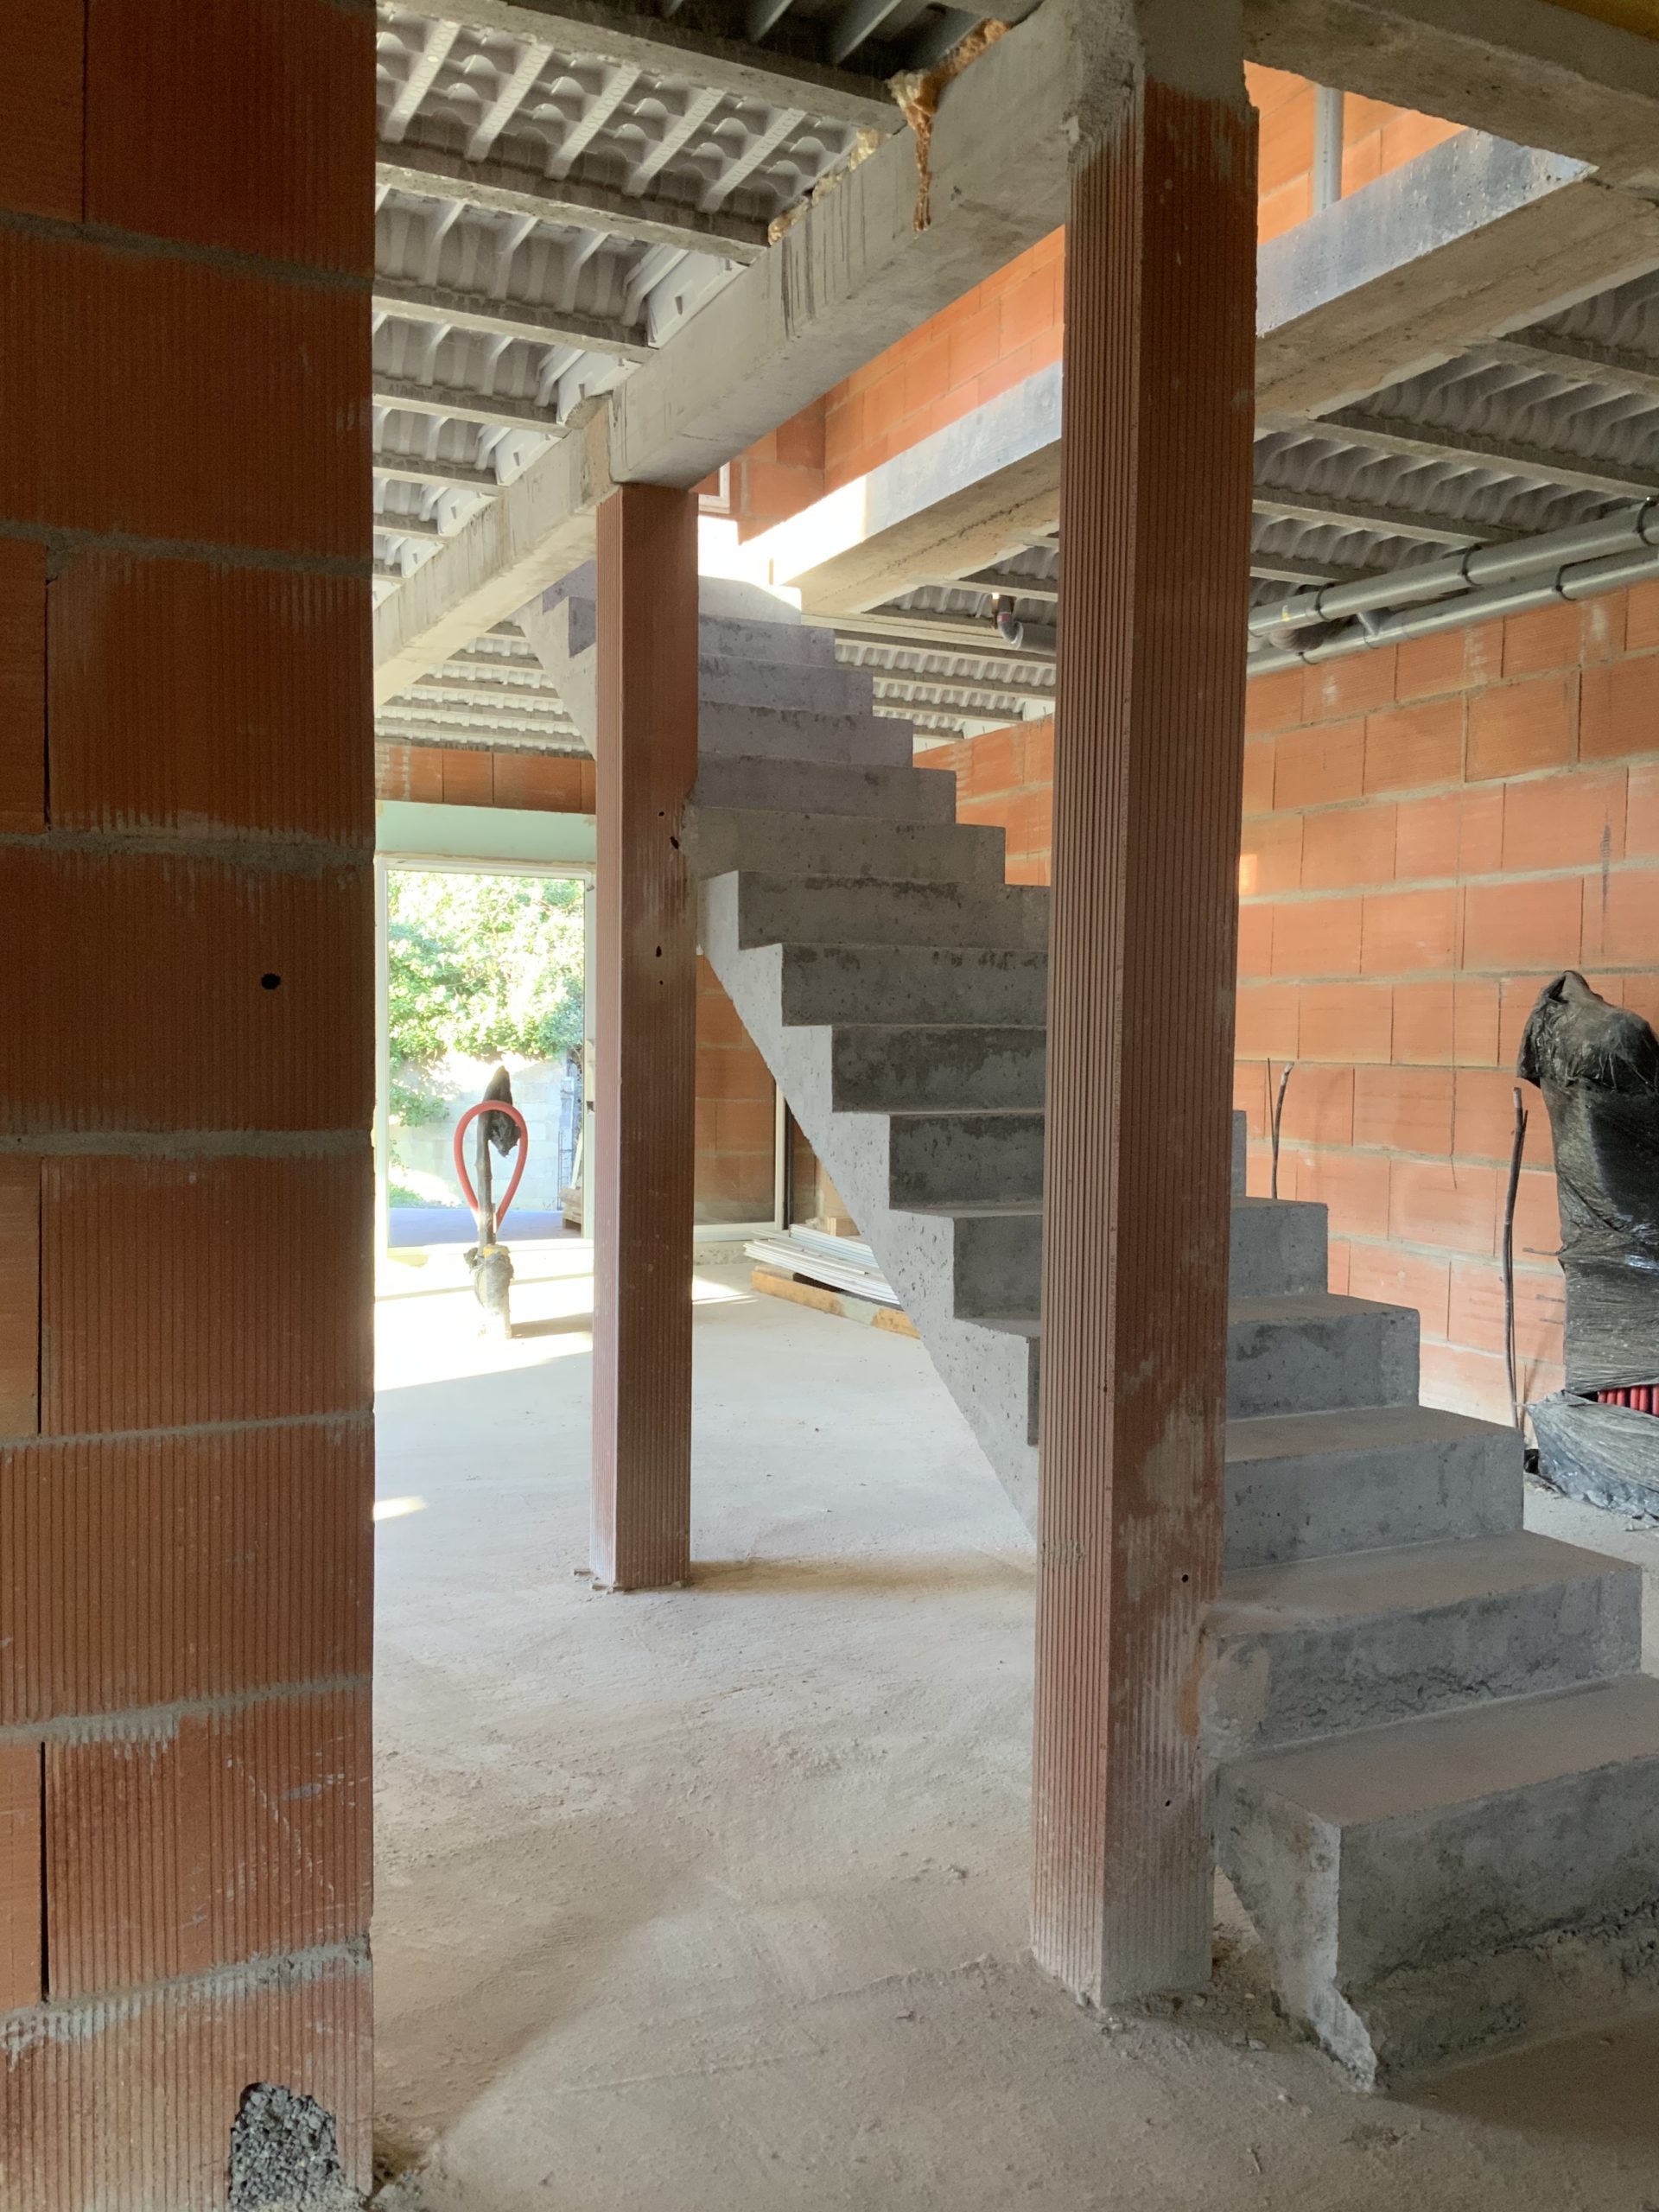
{"x": 662, "y": 48}
{"x": 1524, "y": 70}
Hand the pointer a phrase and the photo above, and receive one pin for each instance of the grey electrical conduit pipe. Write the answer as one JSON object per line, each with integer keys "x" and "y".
{"x": 1567, "y": 564}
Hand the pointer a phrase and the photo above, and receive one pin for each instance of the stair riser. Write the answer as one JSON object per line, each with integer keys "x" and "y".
{"x": 790, "y": 733}
{"x": 941, "y": 1159}
{"x": 724, "y": 682}
{"x": 1312, "y": 1363}
{"x": 875, "y": 914}
{"x": 719, "y": 839}
{"x": 862, "y": 793}
{"x": 1316, "y": 1506}
{"x": 999, "y": 1259}
{"x": 1277, "y": 1249}
{"x": 907, "y": 1071}
{"x": 723, "y": 639}
{"x": 998, "y": 1264}
{"x": 914, "y": 983}
{"x": 1413, "y": 1943}
{"x": 1267, "y": 1689}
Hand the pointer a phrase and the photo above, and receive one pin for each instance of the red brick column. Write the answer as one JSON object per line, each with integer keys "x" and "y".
{"x": 186, "y": 807}
{"x": 1147, "y": 761}
{"x": 645, "y": 984}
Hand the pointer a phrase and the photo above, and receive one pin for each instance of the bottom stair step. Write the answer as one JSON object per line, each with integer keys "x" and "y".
{"x": 1441, "y": 1889}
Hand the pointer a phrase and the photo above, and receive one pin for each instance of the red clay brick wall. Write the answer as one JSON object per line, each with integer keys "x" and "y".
{"x": 737, "y": 1114}
{"x": 1006, "y": 779}
{"x": 185, "y": 999}
{"x": 1375, "y": 138}
{"x": 455, "y": 776}
{"x": 991, "y": 339}
{"x": 1430, "y": 835}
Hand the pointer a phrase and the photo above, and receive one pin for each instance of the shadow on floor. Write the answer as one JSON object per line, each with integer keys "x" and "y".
{"x": 1596, "y": 2088}
{"x": 873, "y": 1573}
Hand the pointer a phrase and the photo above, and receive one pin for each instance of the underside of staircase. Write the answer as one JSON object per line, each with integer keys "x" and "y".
{"x": 1435, "y": 1758}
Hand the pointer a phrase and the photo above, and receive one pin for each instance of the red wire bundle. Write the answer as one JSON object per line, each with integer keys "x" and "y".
{"x": 1643, "y": 1397}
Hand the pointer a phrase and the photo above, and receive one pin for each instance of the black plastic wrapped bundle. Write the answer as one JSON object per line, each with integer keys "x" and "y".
{"x": 1598, "y": 1066}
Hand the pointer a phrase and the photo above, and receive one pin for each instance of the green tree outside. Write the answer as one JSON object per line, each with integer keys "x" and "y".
{"x": 481, "y": 967}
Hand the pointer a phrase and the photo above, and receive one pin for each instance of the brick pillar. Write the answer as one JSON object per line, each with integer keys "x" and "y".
{"x": 1155, "y": 494}
{"x": 645, "y": 986}
{"x": 186, "y": 1084}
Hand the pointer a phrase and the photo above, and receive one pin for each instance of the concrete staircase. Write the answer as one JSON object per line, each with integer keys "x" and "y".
{"x": 1436, "y": 1761}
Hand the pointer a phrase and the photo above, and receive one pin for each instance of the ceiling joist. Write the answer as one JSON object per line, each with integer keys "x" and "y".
{"x": 1471, "y": 449}
{"x": 573, "y": 202}
{"x": 462, "y": 406}
{"x": 661, "y": 47}
{"x": 415, "y": 302}
{"x": 452, "y": 475}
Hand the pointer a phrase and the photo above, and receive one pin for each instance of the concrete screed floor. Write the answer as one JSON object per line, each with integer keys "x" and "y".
{"x": 716, "y": 1899}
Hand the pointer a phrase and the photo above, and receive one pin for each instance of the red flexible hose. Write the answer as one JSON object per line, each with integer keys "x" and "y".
{"x": 492, "y": 1106}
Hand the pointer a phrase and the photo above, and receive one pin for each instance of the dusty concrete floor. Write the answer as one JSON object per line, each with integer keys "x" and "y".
{"x": 715, "y": 1899}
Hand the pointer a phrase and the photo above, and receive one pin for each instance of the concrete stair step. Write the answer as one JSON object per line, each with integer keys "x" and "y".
{"x": 735, "y": 623}
{"x": 935, "y": 1160}
{"x": 1312, "y": 1352}
{"x": 802, "y": 733}
{"x": 996, "y": 1258}
{"x": 726, "y": 680}
{"x": 1278, "y": 1245}
{"x": 895, "y": 1070}
{"x": 866, "y": 793}
{"x": 999, "y": 1255}
{"x": 1322, "y": 1646}
{"x": 795, "y": 842}
{"x": 844, "y": 910}
{"x": 1441, "y": 1889}
{"x": 1304, "y": 1353}
{"x": 902, "y": 983}
{"x": 1307, "y": 1485}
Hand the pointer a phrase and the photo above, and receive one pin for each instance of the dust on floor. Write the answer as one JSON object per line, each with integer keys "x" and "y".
{"x": 715, "y": 1899}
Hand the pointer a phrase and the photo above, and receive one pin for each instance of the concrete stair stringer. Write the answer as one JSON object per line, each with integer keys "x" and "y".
{"x": 989, "y": 1371}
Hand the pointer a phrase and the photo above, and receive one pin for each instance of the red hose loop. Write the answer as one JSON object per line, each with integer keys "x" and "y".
{"x": 492, "y": 1106}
